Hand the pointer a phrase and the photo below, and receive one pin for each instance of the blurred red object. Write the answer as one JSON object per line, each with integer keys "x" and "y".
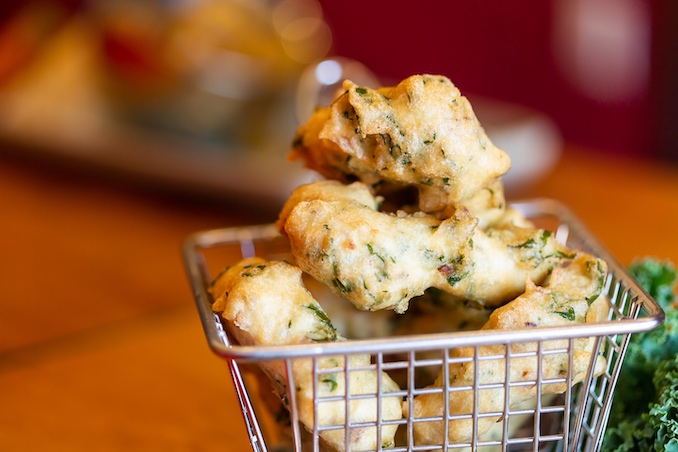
{"x": 134, "y": 54}
{"x": 24, "y": 27}
{"x": 510, "y": 51}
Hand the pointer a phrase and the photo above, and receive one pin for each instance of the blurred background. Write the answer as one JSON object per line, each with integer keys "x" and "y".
{"x": 203, "y": 96}
{"x": 126, "y": 125}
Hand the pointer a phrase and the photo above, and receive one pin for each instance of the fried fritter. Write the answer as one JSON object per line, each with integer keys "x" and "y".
{"x": 266, "y": 303}
{"x": 378, "y": 260}
{"x": 422, "y": 133}
{"x": 489, "y": 207}
{"x": 439, "y": 312}
{"x": 327, "y": 190}
{"x": 375, "y": 260}
{"x": 572, "y": 295}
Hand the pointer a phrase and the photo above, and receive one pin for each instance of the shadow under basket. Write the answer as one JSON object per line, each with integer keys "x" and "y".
{"x": 572, "y": 418}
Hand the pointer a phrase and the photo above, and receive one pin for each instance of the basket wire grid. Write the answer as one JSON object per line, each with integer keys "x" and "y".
{"x": 569, "y": 419}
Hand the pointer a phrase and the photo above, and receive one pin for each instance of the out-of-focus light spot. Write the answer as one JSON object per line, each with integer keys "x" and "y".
{"x": 232, "y": 75}
{"x": 603, "y": 47}
{"x": 304, "y": 35}
{"x": 301, "y": 29}
{"x": 321, "y": 83}
{"x": 328, "y": 72}
{"x": 287, "y": 11}
{"x": 306, "y": 40}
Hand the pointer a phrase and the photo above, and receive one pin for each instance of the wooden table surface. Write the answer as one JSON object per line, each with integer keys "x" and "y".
{"x": 100, "y": 342}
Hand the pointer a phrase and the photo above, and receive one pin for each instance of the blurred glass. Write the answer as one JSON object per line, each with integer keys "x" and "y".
{"x": 320, "y": 83}
{"x": 217, "y": 70}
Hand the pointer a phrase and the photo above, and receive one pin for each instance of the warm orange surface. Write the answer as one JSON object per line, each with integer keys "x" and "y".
{"x": 630, "y": 205}
{"x": 100, "y": 343}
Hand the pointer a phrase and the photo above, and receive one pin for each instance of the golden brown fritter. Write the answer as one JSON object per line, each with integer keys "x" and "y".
{"x": 571, "y": 296}
{"x": 375, "y": 260}
{"x": 489, "y": 207}
{"x": 422, "y": 133}
{"x": 266, "y": 303}
{"x": 414, "y": 206}
{"x": 327, "y": 190}
{"x": 379, "y": 261}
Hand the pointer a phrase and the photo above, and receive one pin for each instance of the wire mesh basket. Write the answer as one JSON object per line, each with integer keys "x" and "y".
{"x": 554, "y": 413}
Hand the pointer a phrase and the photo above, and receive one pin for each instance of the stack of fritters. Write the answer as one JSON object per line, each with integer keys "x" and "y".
{"x": 412, "y": 202}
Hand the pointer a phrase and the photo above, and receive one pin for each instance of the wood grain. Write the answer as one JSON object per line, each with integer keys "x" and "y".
{"x": 100, "y": 345}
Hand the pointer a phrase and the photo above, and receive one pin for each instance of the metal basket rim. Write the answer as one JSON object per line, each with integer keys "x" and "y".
{"x": 221, "y": 344}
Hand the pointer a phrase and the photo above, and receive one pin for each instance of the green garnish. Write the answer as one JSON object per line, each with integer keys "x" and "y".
{"x": 427, "y": 142}
{"x": 568, "y": 313}
{"x": 342, "y": 287}
{"x": 601, "y": 280}
{"x": 454, "y": 279}
{"x": 561, "y": 254}
{"x": 644, "y": 415}
{"x": 379, "y": 256}
{"x": 330, "y": 380}
{"x": 326, "y": 331}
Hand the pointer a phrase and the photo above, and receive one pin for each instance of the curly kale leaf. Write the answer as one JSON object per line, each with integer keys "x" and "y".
{"x": 644, "y": 412}
{"x": 657, "y": 277}
{"x": 663, "y": 415}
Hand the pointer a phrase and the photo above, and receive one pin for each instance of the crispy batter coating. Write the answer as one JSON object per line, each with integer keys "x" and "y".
{"x": 353, "y": 323}
{"x": 489, "y": 206}
{"x": 572, "y": 295}
{"x": 328, "y": 190}
{"x": 378, "y": 260}
{"x": 266, "y": 303}
{"x": 375, "y": 260}
{"x": 422, "y": 133}
{"x": 414, "y": 207}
